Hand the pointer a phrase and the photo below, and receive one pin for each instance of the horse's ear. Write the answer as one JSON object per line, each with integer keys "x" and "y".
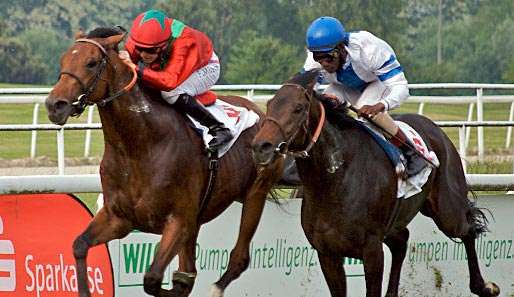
{"x": 113, "y": 41}
{"x": 313, "y": 79}
{"x": 80, "y": 34}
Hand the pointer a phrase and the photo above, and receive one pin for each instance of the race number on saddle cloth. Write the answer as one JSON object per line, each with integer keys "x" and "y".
{"x": 411, "y": 186}
{"x": 236, "y": 118}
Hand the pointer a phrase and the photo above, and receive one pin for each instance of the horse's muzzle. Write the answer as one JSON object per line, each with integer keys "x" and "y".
{"x": 58, "y": 110}
{"x": 263, "y": 152}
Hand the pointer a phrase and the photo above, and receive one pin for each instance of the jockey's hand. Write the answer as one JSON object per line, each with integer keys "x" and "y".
{"x": 371, "y": 110}
{"x": 125, "y": 56}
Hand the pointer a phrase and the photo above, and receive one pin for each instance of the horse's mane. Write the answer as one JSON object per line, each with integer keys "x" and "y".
{"x": 104, "y": 32}
{"x": 339, "y": 118}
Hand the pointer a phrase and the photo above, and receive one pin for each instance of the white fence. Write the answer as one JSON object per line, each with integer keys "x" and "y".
{"x": 37, "y": 96}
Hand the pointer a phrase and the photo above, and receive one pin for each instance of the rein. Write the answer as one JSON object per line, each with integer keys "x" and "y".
{"x": 282, "y": 148}
{"x": 83, "y": 99}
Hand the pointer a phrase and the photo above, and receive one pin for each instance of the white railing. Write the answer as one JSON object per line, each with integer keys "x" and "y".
{"x": 90, "y": 183}
{"x": 37, "y": 96}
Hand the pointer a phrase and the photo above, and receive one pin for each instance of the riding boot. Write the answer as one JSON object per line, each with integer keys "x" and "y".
{"x": 217, "y": 129}
{"x": 415, "y": 163}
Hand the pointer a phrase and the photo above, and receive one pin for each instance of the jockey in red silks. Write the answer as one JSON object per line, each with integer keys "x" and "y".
{"x": 180, "y": 62}
{"x": 363, "y": 70}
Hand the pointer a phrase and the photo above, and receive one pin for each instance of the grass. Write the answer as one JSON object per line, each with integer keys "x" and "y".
{"x": 15, "y": 145}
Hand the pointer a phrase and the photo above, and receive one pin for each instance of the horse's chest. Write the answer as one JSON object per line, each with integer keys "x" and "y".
{"x": 327, "y": 229}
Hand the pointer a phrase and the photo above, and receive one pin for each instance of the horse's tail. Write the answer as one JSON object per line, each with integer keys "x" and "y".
{"x": 477, "y": 218}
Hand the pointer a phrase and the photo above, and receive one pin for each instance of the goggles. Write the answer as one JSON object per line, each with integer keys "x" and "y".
{"x": 326, "y": 56}
{"x": 148, "y": 50}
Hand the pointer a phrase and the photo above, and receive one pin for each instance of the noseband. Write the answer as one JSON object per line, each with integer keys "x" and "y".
{"x": 283, "y": 147}
{"x": 83, "y": 99}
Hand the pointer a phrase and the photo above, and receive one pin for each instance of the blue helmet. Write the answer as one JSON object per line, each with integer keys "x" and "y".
{"x": 324, "y": 34}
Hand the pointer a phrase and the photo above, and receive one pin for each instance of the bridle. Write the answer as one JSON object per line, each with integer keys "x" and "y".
{"x": 283, "y": 147}
{"x": 83, "y": 99}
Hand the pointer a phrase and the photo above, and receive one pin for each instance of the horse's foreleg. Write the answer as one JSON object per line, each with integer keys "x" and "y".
{"x": 175, "y": 234}
{"x": 251, "y": 214}
{"x": 333, "y": 270}
{"x": 373, "y": 257}
{"x": 103, "y": 228}
{"x": 183, "y": 279}
{"x": 397, "y": 243}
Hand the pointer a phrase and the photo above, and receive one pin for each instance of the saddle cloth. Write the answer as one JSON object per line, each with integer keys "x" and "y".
{"x": 236, "y": 118}
{"x": 413, "y": 185}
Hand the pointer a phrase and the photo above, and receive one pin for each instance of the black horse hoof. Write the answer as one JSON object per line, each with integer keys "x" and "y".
{"x": 152, "y": 283}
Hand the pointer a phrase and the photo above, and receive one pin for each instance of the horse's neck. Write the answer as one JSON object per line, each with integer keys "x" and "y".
{"x": 334, "y": 148}
{"x": 134, "y": 122}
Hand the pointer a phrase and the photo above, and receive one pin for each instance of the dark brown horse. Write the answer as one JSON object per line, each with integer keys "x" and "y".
{"x": 154, "y": 170}
{"x": 350, "y": 206}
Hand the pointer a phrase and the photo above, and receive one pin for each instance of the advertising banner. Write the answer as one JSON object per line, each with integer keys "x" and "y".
{"x": 284, "y": 264}
{"x": 36, "y": 258}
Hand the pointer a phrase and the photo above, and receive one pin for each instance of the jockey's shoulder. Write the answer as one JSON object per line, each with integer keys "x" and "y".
{"x": 362, "y": 39}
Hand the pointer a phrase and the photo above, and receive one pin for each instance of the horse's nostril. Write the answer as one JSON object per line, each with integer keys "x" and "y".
{"x": 263, "y": 147}
{"x": 60, "y": 105}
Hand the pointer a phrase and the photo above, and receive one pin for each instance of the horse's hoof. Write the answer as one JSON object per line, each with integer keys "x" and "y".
{"x": 152, "y": 283}
{"x": 491, "y": 290}
{"x": 216, "y": 291}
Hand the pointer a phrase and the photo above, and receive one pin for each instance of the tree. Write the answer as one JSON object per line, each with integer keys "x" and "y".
{"x": 45, "y": 46}
{"x": 17, "y": 64}
{"x": 223, "y": 21}
{"x": 262, "y": 59}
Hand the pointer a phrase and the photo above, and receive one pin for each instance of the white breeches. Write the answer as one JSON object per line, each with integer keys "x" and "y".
{"x": 198, "y": 83}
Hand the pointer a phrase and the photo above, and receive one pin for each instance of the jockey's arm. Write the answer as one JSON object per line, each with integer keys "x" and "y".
{"x": 397, "y": 91}
{"x": 177, "y": 70}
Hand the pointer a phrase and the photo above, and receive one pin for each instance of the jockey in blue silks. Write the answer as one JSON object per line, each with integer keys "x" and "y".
{"x": 362, "y": 69}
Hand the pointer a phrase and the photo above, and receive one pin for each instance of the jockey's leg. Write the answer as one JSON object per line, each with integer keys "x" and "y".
{"x": 192, "y": 107}
{"x": 370, "y": 96}
{"x": 415, "y": 163}
{"x": 198, "y": 83}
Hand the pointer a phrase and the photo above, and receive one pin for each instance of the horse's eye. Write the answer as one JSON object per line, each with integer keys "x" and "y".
{"x": 298, "y": 108}
{"x": 91, "y": 64}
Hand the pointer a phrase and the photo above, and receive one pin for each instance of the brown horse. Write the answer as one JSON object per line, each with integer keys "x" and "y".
{"x": 154, "y": 171}
{"x": 350, "y": 206}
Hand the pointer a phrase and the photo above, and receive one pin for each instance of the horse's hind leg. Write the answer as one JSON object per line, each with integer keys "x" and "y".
{"x": 476, "y": 282}
{"x": 103, "y": 228}
{"x": 397, "y": 243}
{"x": 333, "y": 270}
{"x": 456, "y": 217}
{"x": 253, "y": 205}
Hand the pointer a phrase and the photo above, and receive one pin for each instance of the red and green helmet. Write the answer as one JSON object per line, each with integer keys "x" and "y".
{"x": 153, "y": 29}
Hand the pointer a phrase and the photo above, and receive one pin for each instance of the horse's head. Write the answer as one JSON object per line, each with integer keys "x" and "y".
{"x": 87, "y": 72}
{"x": 286, "y": 126}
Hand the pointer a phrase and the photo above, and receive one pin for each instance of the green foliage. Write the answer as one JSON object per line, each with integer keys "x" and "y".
{"x": 17, "y": 63}
{"x": 276, "y": 60}
{"x": 42, "y": 46}
{"x": 476, "y": 35}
